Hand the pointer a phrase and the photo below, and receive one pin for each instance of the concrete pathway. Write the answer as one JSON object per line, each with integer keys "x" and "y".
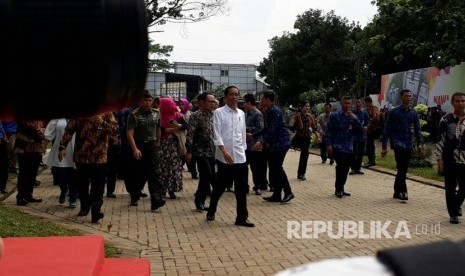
{"x": 179, "y": 241}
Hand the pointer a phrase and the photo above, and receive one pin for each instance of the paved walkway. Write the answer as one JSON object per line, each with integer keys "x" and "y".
{"x": 179, "y": 241}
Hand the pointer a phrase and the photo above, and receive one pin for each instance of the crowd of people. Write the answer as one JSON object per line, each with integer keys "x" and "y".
{"x": 220, "y": 142}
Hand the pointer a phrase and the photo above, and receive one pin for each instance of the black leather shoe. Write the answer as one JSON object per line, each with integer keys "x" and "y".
{"x": 142, "y": 194}
{"x": 34, "y": 200}
{"x": 134, "y": 202}
{"x": 454, "y": 220}
{"x": 200, "y": 206}
{"x": 287, "y": 198}
{"x": 83, "y": 213}
{"x": 229, "y": 190}
{"x": 112, "y": 195}
{"x": 359, "y": 172}
{"x": 21, "y": 202}
{"x": 369, "y": 164}
{"x": 172, "y": 195}
{"x": 339, "y": 194}
{"x": 397, "y": 196}
{"x": 403, "y": 196}
{"x": 272, "y": 199}
{"x": 210, "y": 217}
{"x": 96, "y": 217}
{"x": 244, "y": 223}
{"x": 331, "y": 162}
{"x": 155, "y": 204}
{"x": 301, "y": 177}
{"x": 345, "y": 193}
{"x": 459, "y": 211}
{"x": 352, "y": 172}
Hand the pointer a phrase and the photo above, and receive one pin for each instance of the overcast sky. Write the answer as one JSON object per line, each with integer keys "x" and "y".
{"x": 242, "y": 35}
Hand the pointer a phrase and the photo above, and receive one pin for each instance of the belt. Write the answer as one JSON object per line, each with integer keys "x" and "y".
{"x": 146, "y": 141}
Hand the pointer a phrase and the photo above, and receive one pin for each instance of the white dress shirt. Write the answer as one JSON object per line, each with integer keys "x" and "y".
{"x": 229, "y": 128}
{"x": 54, "y": 132}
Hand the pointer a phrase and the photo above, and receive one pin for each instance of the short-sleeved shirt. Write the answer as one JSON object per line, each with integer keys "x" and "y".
{"x": 144, "y": 123}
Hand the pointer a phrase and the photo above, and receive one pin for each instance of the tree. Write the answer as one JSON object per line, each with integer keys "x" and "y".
{"x": 318, "y": 55}
{"x": 417, "y": 33}
{"x": 157, "y": 60}
{"x": 160, "y": 12}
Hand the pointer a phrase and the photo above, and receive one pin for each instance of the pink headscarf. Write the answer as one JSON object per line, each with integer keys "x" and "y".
{"x": 185, "y": 102}
{"x": 168, "y": 111}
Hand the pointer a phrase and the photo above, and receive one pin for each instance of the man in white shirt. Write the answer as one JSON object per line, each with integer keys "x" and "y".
{"x": 230, "y": 141}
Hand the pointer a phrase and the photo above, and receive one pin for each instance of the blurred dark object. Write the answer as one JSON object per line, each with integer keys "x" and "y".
{"x": 67, "y": 58}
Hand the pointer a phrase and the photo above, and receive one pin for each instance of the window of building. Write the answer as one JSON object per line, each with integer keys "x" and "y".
{"x": 224, "y": 73}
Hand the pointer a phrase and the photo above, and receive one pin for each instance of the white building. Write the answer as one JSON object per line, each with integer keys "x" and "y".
{"x": 243, "y": 76}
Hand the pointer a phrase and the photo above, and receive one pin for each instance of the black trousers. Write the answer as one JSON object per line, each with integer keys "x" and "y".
{"x": 207, "y": 176}
{"x": 113, "y": 159}
{"x": 370, "y": 147}
{"x": 145, "y": 170}
{"x": 454, "y": 174}
{"x": 238, "y": 174}
{"x": 324, "y": 152}
{"x": 258, "y": 166}
{"x": 402, "y": 157}
{"x": 92, "y": 175}
{"x": 359, "y": 150}
{"x": 4, "y": 164}
{"x": 28, "y": 165}
{"x": 343, "y": 161}
{"x": 303, "y": 159}
{"x": 278, "y": 177}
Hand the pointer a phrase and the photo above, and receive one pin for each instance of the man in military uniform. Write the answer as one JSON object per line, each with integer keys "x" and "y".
{"x": 143, "y": 133}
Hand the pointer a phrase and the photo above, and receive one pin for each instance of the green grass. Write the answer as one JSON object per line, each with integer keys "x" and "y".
{"x": 15, "y": 223}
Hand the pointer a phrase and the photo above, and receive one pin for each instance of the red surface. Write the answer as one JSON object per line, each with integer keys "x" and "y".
{"x": 126, "y": 267}
{"x": 50, "y": 256}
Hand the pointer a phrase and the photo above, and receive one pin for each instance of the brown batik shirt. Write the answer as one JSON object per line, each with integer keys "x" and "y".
{"x": 92, "y": 138}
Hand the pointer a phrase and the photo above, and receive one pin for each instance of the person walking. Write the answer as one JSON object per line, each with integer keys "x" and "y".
{"x": 321, "y": 123}
{"x": 201, "y": 148}
{"x": 359, "y": 138}
{"x": 144, "y": 135}
{"x": 342, "y": 126}
{"x": 401, "y": 125}
{"x": 172, "y": 147}
{"x": 29, "y": 147}
{"x": 63, "y": 171}
{"x": 92, "y": 137}
{"x": 373, "y": 131}
{"x": 256, "y": 159}
{"x": 230, "y": 141}
{"x": 305, "y": 125}
{"x": 450, "y": 155}
{"x": 276, "y": 138}
{"x": 4, "y": 161}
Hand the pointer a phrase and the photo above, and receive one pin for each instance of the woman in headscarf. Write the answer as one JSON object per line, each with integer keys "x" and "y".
{"x": 173, "y": 139}
{"x": 185, "y": 109}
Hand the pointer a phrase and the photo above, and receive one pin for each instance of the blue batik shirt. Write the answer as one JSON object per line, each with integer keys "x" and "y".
{"x": 276, "y": 132}
{"x": 340, "y": 131}
{"x": 254, "y": 124}
{"x": 364, "y": 119}
{"x": 401, "y": 125}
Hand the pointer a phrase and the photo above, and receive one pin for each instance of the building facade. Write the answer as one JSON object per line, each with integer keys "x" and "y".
{"x": 243, "y": 76}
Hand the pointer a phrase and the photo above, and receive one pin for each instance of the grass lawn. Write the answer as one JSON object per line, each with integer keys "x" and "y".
{"x": 15, "y": 223}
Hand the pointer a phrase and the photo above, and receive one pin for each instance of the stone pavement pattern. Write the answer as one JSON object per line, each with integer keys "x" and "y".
{"x": 179, "y": 241}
